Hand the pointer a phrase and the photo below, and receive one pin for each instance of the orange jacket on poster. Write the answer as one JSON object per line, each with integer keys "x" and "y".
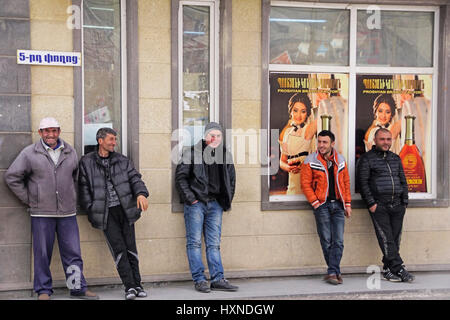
{"x": 314, "y": 179}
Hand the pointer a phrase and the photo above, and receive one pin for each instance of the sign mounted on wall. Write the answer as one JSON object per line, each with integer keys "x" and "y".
{"x": 49, "y": 58}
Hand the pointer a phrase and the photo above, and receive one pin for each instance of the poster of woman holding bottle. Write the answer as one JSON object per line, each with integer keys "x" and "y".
{"x": 300, "y": 106}
{"x": 401, "y": 104}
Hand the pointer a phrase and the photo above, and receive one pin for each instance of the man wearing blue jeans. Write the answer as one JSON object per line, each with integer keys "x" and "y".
{"x": 205, "y": 179}
{"x": 326, "y": 184}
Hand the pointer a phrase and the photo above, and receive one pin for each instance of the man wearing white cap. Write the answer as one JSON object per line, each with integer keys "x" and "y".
{"x": 43, "y": 177}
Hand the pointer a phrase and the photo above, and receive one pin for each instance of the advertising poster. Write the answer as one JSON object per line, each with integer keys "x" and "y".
{"x": 301, "y": 105}
{"x": 401, "y": 104}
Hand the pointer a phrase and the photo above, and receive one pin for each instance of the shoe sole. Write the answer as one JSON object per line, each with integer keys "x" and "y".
{"x": 392, "y": 280}
{"x": 229, "y": 290}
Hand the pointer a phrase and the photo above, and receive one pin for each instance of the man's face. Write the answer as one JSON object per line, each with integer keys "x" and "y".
{"x": 324, "y": 145}
{"x": 383, "y": 140}
{"x": 214, "y": 138}
{"x": 108, "y": 143}
{"x": 50, "y": 136}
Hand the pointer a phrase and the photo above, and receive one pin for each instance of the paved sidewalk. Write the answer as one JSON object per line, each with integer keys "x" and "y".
{"x": 426, "y": 285}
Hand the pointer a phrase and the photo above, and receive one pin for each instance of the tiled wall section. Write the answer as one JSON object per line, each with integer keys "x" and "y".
{"x": 15, "y": 133}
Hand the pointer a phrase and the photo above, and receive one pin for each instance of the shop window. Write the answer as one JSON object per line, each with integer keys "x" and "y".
{"x": 350, "y": 69}
{"x": 198, "y": 68}
{"x": 104, "y": 104}
{"x": 309, "y": 36}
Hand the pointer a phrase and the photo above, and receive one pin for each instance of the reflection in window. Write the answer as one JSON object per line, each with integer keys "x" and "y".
{"x": 309, "y": 36}
{"x": 102, "y": 69}
{"x": 402, "y": 39}
{"x": 196, "y": 70}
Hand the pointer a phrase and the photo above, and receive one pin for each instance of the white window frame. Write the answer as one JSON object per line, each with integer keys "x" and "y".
{"x": 214, "y": 108}
{"x": 123, "y": 82}
{"x": 352, "y": 70}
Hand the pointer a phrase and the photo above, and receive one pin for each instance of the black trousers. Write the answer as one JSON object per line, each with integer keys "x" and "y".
{"x": 388, "y": 223}
{"x": 121, "y": 240}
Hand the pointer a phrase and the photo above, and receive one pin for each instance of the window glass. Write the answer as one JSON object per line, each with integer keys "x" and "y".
{"x": 395, "y": 38}
{"x": 102, "y": 69}
{"x": 196, "y": 71}
{"x": 309, "y": 36}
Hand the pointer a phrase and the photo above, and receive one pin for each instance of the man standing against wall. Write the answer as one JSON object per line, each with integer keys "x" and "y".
{"x": 205, "y": 179}
{"x": 326, "y": 184}
{"x": 113, "y": 194}
{"x": 43, "y": 177}
{"x": 384, "y": 189}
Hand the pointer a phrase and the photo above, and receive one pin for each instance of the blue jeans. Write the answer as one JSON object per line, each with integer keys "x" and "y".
{"x": 206, "y": 218}
{"x": 330, "y": 221}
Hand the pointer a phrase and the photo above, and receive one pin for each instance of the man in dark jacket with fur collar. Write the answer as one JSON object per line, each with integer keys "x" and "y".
{"x": 113, "y": 194}
{"x": 205, "y": 179}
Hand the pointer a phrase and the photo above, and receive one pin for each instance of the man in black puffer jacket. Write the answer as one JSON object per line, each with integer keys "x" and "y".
{"x": 113, "y": 194}
{"x": 384, "y": 188}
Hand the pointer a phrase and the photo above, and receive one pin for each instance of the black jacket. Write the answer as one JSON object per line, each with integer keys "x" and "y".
{"x": 191, "y": 176}
{"x": 93, "y": 189}
{"x": 381, "y": 178}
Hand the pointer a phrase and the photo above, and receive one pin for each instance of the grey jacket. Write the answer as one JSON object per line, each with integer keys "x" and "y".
{"x": 48, "y": 190}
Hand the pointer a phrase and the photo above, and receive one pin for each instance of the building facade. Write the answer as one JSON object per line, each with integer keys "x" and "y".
{"x": 158, "y": 70}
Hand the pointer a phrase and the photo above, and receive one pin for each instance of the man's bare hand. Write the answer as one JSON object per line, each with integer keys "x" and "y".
{"x": 348, "y": 212}
{"x": 373, "y": 208}
{"x": 142, "y": 203}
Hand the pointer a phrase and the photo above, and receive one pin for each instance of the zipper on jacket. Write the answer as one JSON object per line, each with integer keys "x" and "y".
{"x": 392, "y": 178}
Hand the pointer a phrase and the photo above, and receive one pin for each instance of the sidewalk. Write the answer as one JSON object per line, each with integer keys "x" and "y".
{"x": 426, "y": 285}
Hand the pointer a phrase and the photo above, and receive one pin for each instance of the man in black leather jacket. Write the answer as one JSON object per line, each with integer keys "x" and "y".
{"x": 384, "y": 188}
{"x": 113, "y": 194}
{"x": 205, "y": 180}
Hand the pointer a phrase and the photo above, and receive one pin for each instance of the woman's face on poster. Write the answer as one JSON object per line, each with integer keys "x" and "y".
{"x": 299, "y": 113}
{"x": 383, "y": 113}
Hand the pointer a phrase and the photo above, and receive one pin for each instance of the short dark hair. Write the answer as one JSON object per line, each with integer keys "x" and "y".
{"x": 382, "y": 130}
{"x": 102, "y": 132}
{"x": 327, "y": 133}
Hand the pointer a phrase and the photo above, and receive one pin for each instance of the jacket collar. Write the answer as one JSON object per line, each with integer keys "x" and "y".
{"x": 113, "y": 158}
{"x": 379, "y": 152}
{"x": 39, "y": 147}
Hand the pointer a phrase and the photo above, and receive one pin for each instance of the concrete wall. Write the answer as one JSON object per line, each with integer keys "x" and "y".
{"x": 254, "y": 242}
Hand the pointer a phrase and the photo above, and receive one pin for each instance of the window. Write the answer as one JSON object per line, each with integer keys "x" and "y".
{"x": 351, "y": 69}
{"x": 104, "y": 80}
{"x": 198, "y": 59}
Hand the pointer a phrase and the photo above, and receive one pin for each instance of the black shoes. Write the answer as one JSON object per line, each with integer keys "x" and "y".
{"x": 405, "y": 276}
{"x": 202, "y": 286}
{"x": 140, "y": 292}
{"x": 223, "y": 285}
{"x": 130, "y": 294}
{"x": 389, "y": 276}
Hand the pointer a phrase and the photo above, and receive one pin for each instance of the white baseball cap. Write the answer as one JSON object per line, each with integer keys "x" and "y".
{"x": 48, "y": 123}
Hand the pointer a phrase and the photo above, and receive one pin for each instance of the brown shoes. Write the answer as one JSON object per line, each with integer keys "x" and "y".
{"x": 43, "y": 296}
{"x": 331, "y": 279}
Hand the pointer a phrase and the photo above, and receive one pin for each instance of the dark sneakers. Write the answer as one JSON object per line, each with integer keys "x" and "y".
{"x": 389, "y": 276}
{"x": 130, "y": 294}
{"x": 223, "y": 285}
{"x": 405, "y": 276}
{"x": 202, "y": 286}
{"x": 140, "y": 292}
